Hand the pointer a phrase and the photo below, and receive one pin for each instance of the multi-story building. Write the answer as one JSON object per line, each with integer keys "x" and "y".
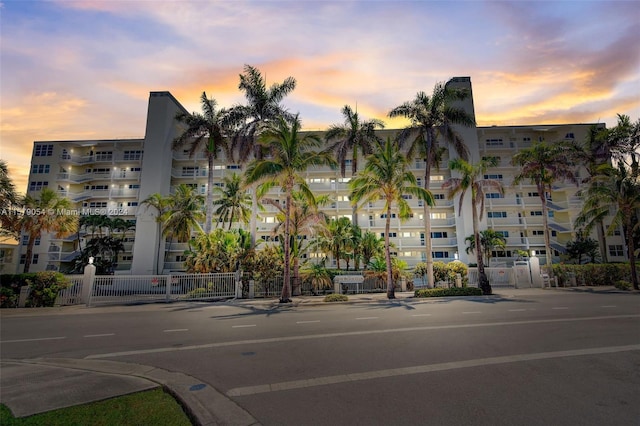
{"x": 114, "y": 176}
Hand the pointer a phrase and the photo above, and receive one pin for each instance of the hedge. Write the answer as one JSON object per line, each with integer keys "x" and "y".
{"x": 592, "y": 274}
{"x": 454, "y": 291}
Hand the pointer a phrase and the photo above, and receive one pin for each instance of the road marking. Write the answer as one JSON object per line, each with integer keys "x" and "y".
{"x": 517, "y": 310}
{"x": 560, "y": 307}
{"x": 608, "y": 306}
{"x": 354, "y": 333}
{"x": 243, "y": 326}
{"x": 306, "y": 322}
{"x": 421, "y": 315}
{"x": 472, "y": 312}
{"x": 175, "y": 330}
{"x": 366, "y": 318}
{"x": 100, "y": 335}
{"x": 421, "y": 369}
{"x": 32, "y": 340}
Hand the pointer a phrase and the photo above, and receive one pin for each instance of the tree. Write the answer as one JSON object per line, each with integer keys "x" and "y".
{"x": 336, "y": 238}
{"x": 46, "y": 214}
{"x": 234, "y": 202}
{"x": 291, "y": 154}
{"x": 385, "y": 176}
{"x": 204, "y": 133}
{"x": 347, "y": 139}
{"x": 544, "y": 164}
{"x": 9, "y": 216}
{"x": 249, "y": 121}
{"x": 160, "y": 204}
{"x": 470, "y": 180}
{"x": 582, "y": 246}
{"x": 432, "y": 117}
{"x": 371, "y": 246}
{"x": 490, "y": 240}
{"x": 183, "y": 213}
{"x": 218, "y": 251}
{"x": 619, "y": 188}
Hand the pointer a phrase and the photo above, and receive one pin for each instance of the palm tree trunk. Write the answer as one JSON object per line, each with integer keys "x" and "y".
{"x": 253, "y": 221}
{"x": 295, "y": 291}
{"x": 29, "y": 254}
{"x": 158, "y": 251}
{"x": 602, "y": 241}
{"x": 483, "y": 281}
{"x": 387, "y": 254}
{"x": 209, "y": 207}
{"x": 427, "y": 228}
{"x": 632, "y": 255}
{"x": 286, "y": 286}
{"x": 547, "y": 234}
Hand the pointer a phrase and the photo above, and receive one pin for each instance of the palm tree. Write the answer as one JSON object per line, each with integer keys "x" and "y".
{"x": 371, "y": 246}
{"x": 336, "y": 238}
{"x": 305, "y": 219}
{"x": 385, "y": 176}
{"x": 431, "y": 117}
{"x": 234, "y": 203}
{"x": 183, "y": 213}
{"x": 470, "y": 179}
{"x": 291, "y": 154}
{"x": 543, "y": 164}
{"x": 249, "y": 121}
{"x": 618, "y": 188}
{"x": 160, "y": 204}
{"x": 9, "y": 218}
{"x": 204, "y": 133}
{"x": 347, "y": 139}
{"x": 49, "y": 216}
{"x": 489, "y": 241}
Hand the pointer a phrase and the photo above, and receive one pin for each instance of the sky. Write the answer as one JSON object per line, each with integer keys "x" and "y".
{"x": 84, "y": 69}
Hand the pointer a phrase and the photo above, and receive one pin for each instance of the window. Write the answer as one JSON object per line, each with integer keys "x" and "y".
{"x": 494, "y": 142}
{"x": 134, "y": 186}
{"x": 554, "y": 233}
{"x": 42, "y": 150}
{"x": 496, "y": 214}
{"x": 551, "y": 213}
{"x": 391, "y": 234}
{"x": 36, "y": 241}
{"x": 100, "y": 170}
{"x": 569, "y": 135}
{"x": 181, "y": 258}
{"x": 438, "y": 215}
{"x": 104, "y": 155}
{"x": 537, "y": 233}
{"x": 134, "y": 169}
{"x": 437, "y": 178}
{"x": 438, "y": 234}
{"x": 38, "y": 185}
{"x": 23, "y": 259}
{"x": 132, "y": 204}
{"x": 384, "y": 216}
{"x": 132, "y": 155}
{"x": 439, "y": 196}
{"x": 25, "y": 240}
{"x": 40, "y": 168}
{"x": 499, "y": 253}
{"x": 526, "y": 139}
{"x": 616, "y": 250}
{"x": 533, "y": 194}
{"x": 503, "y": 233}
{"x": 96, "y": 187}
{"x": 493, "y": 195}
{"x": 407, "y": 197}
{"x": 536, "y": 213}
{"x": 493, "y": 176}
{"x": 98, "y": 205}
{"x": 190, "y": 171}
{"x": 127, "y": 258}
{"x": 440, "y": 254}
{"x": 36, "y": 257}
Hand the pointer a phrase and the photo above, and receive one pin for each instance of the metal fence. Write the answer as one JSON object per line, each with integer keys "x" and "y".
{"x": 71, "y": 295}
{"x": 498, "y": 277}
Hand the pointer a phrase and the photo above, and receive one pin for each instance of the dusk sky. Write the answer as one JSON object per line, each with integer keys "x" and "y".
{"x": 84, "y": 69}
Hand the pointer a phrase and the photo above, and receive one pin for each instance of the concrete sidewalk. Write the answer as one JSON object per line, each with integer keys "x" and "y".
{"x": 35, "y": 386}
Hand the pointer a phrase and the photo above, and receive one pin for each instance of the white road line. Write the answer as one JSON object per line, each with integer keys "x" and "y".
{"x": 421, "y": 315}
{"x": 243, "y": 326}
{"x": 472, "y": 312}
{"x": 517, "y": 310}
{"x": 560, "y": 307}
{"x": 100, "y": 335}
{"x": 366, "y": 318}
{"x": 354, "y": 333}
{"x": 32, "y": 340}
{"x": 609, "y": 306}
{"x": 421, "y": 369}
{"x": 175, "y": 330}
{"x": 306, "y": 322}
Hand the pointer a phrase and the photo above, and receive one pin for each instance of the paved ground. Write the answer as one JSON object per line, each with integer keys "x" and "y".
{"x": 37, "y": 385}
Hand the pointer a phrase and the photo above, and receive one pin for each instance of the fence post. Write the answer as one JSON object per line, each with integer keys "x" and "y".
{"x": 168, "y": 291}
{"x": 239, "y": 284}
{"x": 252, "y": 289}
{"x": 87, "y": 282}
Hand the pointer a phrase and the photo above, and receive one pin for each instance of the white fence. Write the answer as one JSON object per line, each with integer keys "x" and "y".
{"x": 498, "y": 277}
{"x": 118, "y": 289}
{"x": 71, "y": 295}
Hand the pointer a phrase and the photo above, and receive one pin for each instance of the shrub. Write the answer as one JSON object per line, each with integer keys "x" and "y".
{"x": 197, "y": 292}
{"x": 454, "y": 291}
{"x": 8, "y": 298}
{"x": 623, "y": 285}
{"x": 592, "y": 274}
{"x": 336, "y": 298}
{"x": 45, "y": 287}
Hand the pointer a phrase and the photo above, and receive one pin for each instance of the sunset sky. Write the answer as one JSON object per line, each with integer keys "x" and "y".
{"x": 84, "y": 69}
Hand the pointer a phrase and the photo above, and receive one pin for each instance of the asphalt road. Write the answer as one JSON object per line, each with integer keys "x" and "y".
{"x": 554, "y": 358}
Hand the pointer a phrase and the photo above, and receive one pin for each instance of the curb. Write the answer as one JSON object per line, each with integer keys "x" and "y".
{"x": 203, "y": 404}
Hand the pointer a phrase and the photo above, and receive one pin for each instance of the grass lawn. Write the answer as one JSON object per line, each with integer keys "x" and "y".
{"x": 153, "y": 407}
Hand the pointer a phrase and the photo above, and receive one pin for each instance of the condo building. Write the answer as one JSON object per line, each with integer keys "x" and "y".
{"x": 112, "y": 177}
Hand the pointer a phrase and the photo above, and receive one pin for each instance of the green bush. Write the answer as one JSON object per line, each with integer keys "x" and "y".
{"x": 445, "y": 271}
{"x": 8, "y": 298}
{"x": 336, "y": 298}
{"x": 442, "y": 292}
{"x": 45, "y": 287}
{"x": 197, "y": 292}
{"x": 592, "y": 274}
{"x": 623, "y": 285}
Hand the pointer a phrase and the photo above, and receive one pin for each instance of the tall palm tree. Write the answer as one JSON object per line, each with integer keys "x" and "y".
{"x": 336, "y": 238}
{"x": 234, "y": 204}
{"x": 9, "y": 218}
{"x": 544, "y": 164}
{"x": 183, "y": 214}
{"x": 48, "y": 216}
{"x": 350, "y": 137}
{"x": 489, "y": 240}
{"x": 204, "y": 133}
{"x": 470, "y": 179}
{"x": 432, "y": 117}
{"x": 160, "y": 204}
{"x": 619, "y": 190}
{"x": 386, "y": 176}
{"x": 291, "y": 154}
{"x": 263, "y": 108}
{"x": 371, "y": 246}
